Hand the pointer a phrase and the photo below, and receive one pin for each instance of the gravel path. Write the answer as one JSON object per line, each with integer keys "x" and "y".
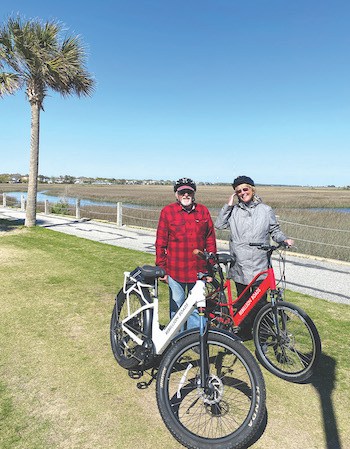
{"x": 321, "y": 278}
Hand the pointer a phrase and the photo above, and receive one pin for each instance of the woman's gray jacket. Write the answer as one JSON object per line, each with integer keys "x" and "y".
{"x": 249, "y": 223}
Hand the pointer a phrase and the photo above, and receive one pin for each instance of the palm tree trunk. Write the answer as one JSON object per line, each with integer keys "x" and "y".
{"x": 33, "y": 166}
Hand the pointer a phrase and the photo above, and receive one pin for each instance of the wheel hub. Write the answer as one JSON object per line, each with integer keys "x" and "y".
{"x": 214, "y": 391}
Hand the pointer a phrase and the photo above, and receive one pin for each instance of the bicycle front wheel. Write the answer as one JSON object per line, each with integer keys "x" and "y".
{"x": 287, "y": 342}
{"x": 226, "y": 414}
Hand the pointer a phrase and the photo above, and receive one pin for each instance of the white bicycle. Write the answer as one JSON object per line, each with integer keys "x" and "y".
{"x": 210, "y": 390}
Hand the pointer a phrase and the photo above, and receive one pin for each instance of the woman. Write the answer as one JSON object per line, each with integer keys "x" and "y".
{"x": 250, "y": 221}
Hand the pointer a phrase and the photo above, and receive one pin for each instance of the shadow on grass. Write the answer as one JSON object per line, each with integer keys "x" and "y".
{"x": 7, "y": 225}
{"x": 324, "y": 380}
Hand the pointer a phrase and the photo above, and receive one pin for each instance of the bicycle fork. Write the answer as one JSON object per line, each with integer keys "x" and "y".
{"x": 203, "y": 347}
{"x": 280, "y": 324}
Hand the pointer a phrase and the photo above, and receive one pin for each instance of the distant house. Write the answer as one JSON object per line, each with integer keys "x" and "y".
{"x": 15, "y": 180}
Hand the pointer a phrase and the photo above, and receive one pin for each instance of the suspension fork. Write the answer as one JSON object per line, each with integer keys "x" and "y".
{"x": 203, "y": 346}
{"x": 275, "y": 298}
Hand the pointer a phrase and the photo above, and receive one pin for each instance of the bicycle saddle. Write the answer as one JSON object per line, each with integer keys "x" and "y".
{"x": 150, "y": 271}
{"x": 225, "y": 258}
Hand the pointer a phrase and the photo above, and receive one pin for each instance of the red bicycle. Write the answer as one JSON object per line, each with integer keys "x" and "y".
{"x": 286, "y": 340}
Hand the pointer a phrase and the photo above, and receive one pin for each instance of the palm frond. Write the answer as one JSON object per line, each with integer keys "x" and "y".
{"x": 35, "y": 52}
{"x": 9, "y": 83}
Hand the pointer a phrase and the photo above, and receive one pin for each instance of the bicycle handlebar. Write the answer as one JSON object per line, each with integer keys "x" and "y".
{"x": 204, "y": 255}
{"x": 216, "y": 258}
{"x": 267, "y": 247}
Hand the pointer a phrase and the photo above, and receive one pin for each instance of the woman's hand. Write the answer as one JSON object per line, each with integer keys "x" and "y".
{"x": 231, "y": 200}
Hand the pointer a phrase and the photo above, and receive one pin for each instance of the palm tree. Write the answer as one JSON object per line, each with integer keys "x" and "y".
{"x": 37, "y": 59}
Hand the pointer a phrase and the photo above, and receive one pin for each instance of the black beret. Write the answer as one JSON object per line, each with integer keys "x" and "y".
{"x": 242, "y": 180}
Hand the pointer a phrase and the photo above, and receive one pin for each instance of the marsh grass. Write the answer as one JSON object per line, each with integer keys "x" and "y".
{"x": 324, "y": 233}
{"x": 213, "y": 196}
{"x": 61, "y": 388}
{"x": 319, "y": 233}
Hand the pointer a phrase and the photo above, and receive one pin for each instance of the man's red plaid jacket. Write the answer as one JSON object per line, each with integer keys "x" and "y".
{"x": 179, "y": 232}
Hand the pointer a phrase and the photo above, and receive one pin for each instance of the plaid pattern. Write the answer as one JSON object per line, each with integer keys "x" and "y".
{"x": 180, "y": 232}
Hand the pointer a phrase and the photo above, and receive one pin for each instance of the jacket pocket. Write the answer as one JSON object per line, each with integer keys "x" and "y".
{"x": 202, "y": 226}
{"x": 177, "y": 229}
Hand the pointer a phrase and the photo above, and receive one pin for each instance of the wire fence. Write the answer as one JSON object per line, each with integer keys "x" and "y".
{"x": 328, "y": 238}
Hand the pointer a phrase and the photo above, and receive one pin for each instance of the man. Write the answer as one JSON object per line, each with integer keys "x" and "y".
{"x": 183, "y": 226}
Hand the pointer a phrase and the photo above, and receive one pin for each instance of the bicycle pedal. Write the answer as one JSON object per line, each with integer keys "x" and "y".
{"x": 135, "y": 374}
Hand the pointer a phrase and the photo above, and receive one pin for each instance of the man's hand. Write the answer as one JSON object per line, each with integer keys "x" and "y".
{"x": 164, "y": 279}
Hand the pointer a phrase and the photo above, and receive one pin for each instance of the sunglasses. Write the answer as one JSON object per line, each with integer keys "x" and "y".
{"x": 183, "y": 192}
{"x": 245, "y": 189}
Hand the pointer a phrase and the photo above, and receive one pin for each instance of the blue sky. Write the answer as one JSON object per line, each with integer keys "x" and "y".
{"x": 198, "y": 88}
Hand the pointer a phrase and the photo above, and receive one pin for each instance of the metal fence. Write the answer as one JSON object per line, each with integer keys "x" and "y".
{"x": 327, "y": 242}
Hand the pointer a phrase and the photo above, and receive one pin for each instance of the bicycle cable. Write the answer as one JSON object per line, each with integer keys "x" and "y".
{"x": 282, "y": 269}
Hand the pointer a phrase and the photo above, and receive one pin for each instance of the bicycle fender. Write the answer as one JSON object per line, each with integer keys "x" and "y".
{"x": 195, "y": 330}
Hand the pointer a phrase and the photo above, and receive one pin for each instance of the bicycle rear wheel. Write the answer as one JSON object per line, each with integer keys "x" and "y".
{"x": 225, "y": 415}
{"x": 128, "y": 354}
{"x": 291, "y": 352}
{"x": 217, "y": 308}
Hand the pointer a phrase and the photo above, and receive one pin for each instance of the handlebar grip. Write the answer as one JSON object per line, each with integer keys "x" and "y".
{"x": 199, "y": 253}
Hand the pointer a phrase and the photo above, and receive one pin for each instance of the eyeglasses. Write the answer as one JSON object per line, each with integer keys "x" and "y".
{"x": 245, "y": 189}
{"x": 183, "y": 192}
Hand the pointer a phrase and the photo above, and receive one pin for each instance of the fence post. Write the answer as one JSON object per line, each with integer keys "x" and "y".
{"x": 23, "y": 203}
{"x": 119, "y": 213}
{"x": 77, "y": 208}
{"x": 4, "y": 199}
{"x": 47, "y": 207}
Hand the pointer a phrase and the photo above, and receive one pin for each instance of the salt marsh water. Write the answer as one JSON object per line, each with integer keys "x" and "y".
{"x": 42, "y": 196}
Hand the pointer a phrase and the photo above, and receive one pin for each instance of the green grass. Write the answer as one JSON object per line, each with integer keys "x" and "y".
{"x": 60, "y": 386}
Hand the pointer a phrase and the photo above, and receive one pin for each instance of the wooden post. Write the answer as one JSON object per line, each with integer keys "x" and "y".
{"x": 119, "y": 213}
{"x": 47, "y": 207}
{"x": 23, "y": 203}
{"x": 77, "y": 208}
{"x": 4, "y": 199}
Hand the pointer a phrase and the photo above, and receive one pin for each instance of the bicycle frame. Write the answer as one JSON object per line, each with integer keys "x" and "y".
{"x": 162, "y": 337}
{"x": 269, "y": 283}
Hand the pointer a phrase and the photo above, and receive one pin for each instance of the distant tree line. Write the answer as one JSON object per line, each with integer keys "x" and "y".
{"x": 15, "y": 178}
